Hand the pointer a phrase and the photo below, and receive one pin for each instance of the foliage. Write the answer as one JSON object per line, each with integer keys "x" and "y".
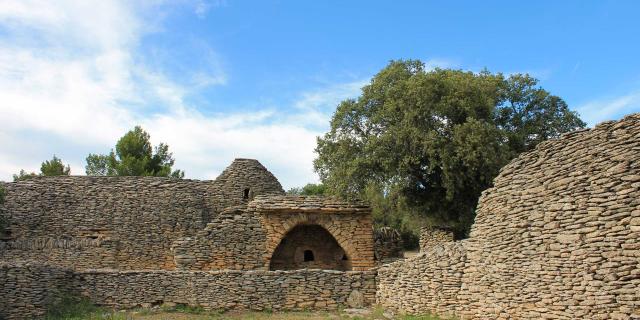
{"x": 48, "y": 168}
{"x": 134, "y": 156}
{"x": 54, "y": 167}
{"x": 430, "y": 142}
{"x": 310, "y": 189}
{"x": 24, "y": 175}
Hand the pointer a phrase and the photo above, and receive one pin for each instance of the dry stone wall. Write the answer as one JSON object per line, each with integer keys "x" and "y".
{"x": 432, "y": 236}
{"x": 28, "y": 288}
{"x": 558, "y": 234}
{"x": 234, "y": 240}
{"x": 228, "y": 289}
{"x": 428, "y": 282}
{"x": 240, "y": 182}
{"x": 133, "y": 220}
{"x": 557, "y": 237}
{"x": 349, "y": 223}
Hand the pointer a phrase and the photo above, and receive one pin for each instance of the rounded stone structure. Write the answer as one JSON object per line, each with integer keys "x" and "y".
{"x": 556, "y": 237}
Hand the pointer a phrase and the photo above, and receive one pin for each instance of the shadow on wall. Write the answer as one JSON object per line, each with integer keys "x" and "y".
{"x": 309, "y": 247}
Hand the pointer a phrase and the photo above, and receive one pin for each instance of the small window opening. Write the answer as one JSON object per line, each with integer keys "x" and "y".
{"x": 246, "y": 194}
{"x": 308, "y": 256}
{"x": 344, "y": 257}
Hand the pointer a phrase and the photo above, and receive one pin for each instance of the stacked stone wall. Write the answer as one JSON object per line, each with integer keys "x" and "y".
{"x": 558, "y": 234}
{"x": 557, "y": 237}
{"x": 228, "y": 290}
{"x": 235, "y": 240}
{"x": 349, "y": 223}
{"x": 28, "y": 288}
{"x": 134, "y": 221}
{"x": 427, "y": 283}
{"x": 243, "y": 175}
{"x": 432, "y": 236}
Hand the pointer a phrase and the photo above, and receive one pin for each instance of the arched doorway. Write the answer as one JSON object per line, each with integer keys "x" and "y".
{"x": 309, "y": 246}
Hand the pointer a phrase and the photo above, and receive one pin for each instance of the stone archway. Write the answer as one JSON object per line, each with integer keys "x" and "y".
{"x": 309, "y": 246}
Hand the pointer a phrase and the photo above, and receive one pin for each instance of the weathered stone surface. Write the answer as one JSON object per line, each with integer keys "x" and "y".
{"x": 428, "y": 282}
{"x": 29, "y": 287}
{"x": 356, "y": 299}
{"x": 555, "y": 238}
{"x": 170, "y": 233}
{"x": 432, "y": 236}
{"x": 122, "y": 222}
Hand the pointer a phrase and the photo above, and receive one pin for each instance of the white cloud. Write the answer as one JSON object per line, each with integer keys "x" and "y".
{"x": 597, "y": 111}
{"x": 202, "y": 7}
{"x": 316, "y": 107}
{"x": 71, "y": 83}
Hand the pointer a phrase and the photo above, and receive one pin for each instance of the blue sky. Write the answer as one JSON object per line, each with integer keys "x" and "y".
{"x": 223, "y": 79}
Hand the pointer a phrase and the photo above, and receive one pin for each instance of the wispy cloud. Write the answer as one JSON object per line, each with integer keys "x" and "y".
{"x": 596, "y": 111}
{"x": 202, "y": 7}
{"x": 72, "y": 80}
{"x": 316, "y": 107}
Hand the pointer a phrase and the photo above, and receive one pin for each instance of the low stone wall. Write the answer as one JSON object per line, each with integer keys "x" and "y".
{"x": 230, "y": 289}
{"x": 432, "y": 236}
{"x": 27, "y": 288}
{"x": 428, "y": 282}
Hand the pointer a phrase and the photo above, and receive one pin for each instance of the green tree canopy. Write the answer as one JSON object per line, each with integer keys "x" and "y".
{"x": 54, "y": 167}
{"x": 48, "y": 168}
{"x": 310, "y": 189}
{"x": 134, "y": 156}
{"x": 434, "y": 140}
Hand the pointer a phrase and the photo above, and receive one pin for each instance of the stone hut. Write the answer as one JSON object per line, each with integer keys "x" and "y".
{"x": 556, "y": 237}
{"x": 240, "y": 221}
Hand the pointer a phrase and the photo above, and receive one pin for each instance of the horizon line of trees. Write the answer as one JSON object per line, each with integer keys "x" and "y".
{"x": 133, "y": 156}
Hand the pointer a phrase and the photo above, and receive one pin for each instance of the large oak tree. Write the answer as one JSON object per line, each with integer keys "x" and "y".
{"x": 431, "y": 141}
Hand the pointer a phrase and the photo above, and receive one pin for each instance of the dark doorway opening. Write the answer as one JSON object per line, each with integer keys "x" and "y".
{"x": 308, "y": 255}
{"x": 311, "y": 247}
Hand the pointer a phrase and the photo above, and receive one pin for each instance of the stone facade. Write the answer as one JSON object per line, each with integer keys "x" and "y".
{"x": 557, "y": 237}
{"x": 428, "y": 282}
{"x": 129, "y": 223}
{"x": 228, "y": 289}
{"x": 350, "y": 223}
{"x": 433, "y": 236}
{"x": 208, "y": 243}
{"x": 28, "y": 288}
